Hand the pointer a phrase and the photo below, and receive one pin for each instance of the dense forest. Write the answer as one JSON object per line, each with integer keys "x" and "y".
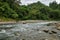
{"x": 11, "y": 9}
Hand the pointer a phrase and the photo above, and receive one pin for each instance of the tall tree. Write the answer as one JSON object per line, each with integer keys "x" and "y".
{"x": 53, "y": 5}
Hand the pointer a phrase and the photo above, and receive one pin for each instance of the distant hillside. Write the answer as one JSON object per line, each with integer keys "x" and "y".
{"x": 10, "y": 9}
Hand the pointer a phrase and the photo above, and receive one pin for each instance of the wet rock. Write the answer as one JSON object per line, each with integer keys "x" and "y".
{"x": 51, "y": 24}
{"x": 46, "y": 31}
{"x": 57, "y": 26}
{"x": 54, "y": 32}
{"x": 50, "y": 32}
{"x": 24, "y": 22}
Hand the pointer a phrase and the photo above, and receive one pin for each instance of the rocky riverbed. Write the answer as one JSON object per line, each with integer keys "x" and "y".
{"x": 31, "y": 31}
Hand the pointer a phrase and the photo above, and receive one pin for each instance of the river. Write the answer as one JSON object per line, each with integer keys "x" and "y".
{"x": 29, "y": 31}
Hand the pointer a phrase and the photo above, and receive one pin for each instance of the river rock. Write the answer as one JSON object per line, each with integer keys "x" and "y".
{"x": 46, "y": 30}
{"x": 57, "y": 26}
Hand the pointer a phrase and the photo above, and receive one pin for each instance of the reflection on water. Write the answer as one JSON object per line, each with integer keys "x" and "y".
{"x": 27, "y": 31}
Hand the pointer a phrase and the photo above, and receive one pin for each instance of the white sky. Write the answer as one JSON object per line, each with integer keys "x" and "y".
{"x": 58, "y": 1}
{"x": 46, "y": 2}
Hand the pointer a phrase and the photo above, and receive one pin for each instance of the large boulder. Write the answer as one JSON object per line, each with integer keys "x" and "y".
{"x": 57, "y": 26}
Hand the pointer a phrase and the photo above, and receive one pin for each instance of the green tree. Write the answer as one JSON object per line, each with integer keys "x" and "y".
{"x": 53, "y": 5}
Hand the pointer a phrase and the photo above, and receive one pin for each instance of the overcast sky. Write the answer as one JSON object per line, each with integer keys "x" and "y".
{"x": 46, "y": 2}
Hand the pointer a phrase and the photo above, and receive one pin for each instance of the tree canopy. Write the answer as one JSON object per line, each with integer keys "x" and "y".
{"x": 35, "y": 11}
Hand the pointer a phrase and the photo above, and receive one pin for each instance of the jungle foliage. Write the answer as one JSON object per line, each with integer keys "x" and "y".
{"x": 35, "y": 11}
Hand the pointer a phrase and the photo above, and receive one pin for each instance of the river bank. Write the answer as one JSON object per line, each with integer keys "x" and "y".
{"x": 25, "y": 21}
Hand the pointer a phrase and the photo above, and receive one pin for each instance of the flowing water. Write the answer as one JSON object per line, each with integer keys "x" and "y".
{"x": 29, "y": 31}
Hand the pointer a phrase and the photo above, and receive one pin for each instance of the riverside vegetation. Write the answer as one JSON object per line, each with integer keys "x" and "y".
{"x": 11, "y": 9}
